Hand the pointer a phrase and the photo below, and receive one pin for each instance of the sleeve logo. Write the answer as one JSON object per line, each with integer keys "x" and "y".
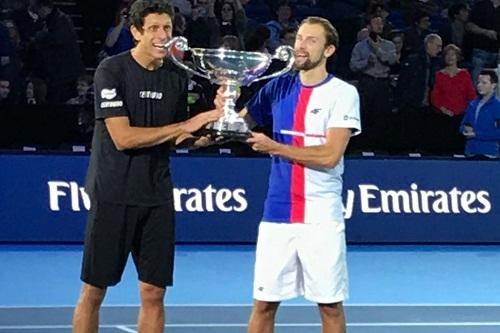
{"x": 108, "y": 93}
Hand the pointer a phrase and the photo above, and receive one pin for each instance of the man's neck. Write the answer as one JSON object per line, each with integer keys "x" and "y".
{"x": 495, "y": 3}
{"x": 486, "y": 97}
{"x": 146, "y": 61}
{"x": 313, "y": 76}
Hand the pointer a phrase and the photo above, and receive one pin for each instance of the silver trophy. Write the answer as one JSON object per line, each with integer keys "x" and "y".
{"x": 232, "y": 69}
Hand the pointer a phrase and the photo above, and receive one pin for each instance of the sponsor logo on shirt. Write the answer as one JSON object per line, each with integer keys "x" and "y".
{"x": 150, "y": 94}
{"x": 346, "y": 117}
{"x": 315, "y": 111}
{"x": 108, "y": 93}
{"x": 113, "y": 104}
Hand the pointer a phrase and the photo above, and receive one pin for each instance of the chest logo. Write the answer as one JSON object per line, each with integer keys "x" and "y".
{"x": 150, "y": 94}
{"x": 315, "y": 111}
{"x": 108, "y": 93}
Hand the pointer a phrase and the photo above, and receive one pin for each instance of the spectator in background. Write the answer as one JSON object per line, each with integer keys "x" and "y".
{"x": 415, "y": 82}
{"x": 180, "y": 25}
{"x": 481, "y": 123}
{"x": 118, "y": 37}
{"x": 83, "y": 104}
{"x": 35, "y": 92}
{"x": 28, "y": 21}
{"x": 284, "y": 19}
{"x": 202, "y": 27}
{"x": 414, "y": 37}
{"x": 453, "y": 90}
{"x": 84, "y": 91}
{"x": 372, "y": 58}
{"x": 484, "y": 25}
{"x": 10, "y": 65}
{"x": 453, "y": 31}
{"x": 4, "y": 90}
{"x": 397, "y": 38}
{"x": 259, "y": 40}
{"x": 58, "y": 58}
{"x": 232, "y": 20}
{"x": 287, "y": 36}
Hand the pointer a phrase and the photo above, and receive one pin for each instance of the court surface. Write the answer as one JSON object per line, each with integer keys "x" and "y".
{"x": 404, "y": 289}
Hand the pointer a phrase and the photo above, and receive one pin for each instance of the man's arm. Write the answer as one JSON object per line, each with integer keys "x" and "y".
{"x": 125, "y": 136}
{"x": 326, "y": 155}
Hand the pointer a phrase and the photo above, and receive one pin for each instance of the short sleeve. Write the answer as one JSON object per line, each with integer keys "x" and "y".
{"x": 260, "y": 105}
{"x": 109, "y": 97}
{"x": 345, "y": 113}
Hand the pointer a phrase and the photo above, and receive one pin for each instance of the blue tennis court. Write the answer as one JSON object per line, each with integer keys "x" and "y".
{"x": 400, "y": 289}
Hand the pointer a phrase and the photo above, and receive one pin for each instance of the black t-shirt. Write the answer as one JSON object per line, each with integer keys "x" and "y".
{"x": 486, "y": 16}
{"x": 149, "y": 99}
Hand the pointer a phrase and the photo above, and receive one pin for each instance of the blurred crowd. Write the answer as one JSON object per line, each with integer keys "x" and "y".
{"x": 416, "y": 63}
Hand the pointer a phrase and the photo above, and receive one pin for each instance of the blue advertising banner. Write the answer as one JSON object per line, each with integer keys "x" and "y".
{"x": 220, "y": 199}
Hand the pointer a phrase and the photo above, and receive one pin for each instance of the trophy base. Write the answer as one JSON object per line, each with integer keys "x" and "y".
{"x": 227, "y": 135}
{"x": 229, "y": 131}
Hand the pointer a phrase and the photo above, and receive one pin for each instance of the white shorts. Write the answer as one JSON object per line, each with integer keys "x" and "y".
{"x": 296, "y": 259}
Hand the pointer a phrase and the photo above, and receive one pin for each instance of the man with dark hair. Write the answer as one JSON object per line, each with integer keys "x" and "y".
{"x": 56, "y": 55}
{"x": 453, "y": 31}
{"x": 372, "y": 58}
{"x": 301, "y": 242}
{"x": 4, "y": 90}
{"x": 484, "y": 25}
{"x": 481, "y": 123}
{"x": 140, "y": 101}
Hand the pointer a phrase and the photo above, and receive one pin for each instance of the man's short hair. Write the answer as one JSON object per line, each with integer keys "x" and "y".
{"x": 45, "y": 3}
{"x": 331, "y": 34}
{"x": 142, "y": 8}
{"x": 455, "y": 10}
{"x": 491, "y": 73}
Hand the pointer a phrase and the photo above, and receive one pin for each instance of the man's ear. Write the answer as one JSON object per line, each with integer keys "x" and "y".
{"x": 330, "y": 50}
{"x": 136, "y": 33}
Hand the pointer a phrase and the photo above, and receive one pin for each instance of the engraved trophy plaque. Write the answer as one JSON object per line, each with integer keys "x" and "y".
{"x": 233, "y": 69}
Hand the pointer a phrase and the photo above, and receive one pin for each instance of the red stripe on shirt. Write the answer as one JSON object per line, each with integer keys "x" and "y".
{"x": 298, "y": 173}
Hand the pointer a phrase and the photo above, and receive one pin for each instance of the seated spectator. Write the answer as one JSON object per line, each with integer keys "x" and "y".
{"x": 10, "y": 64}
{"x": 118, "y": 37}
{"x": 84, "y": 91}
{"x": 481, "y": 123}
{"x": 287, "y": 36}
{"x": 4, "y": 90}
{"x": 284, "y": 19}
{"x": 231, "y": 42}
{"x": 372, "y": 58}
{"x": 232, "y": 20}
{"x": 201, "y": 28}
{"x": 484, "y": 25}
{"x": 36, "y": 92}
{"x": 28, "y": 21}
{"x": 180, "y": 25}
{"x": 259, "y": 40}
{"x": 452, "y": 92}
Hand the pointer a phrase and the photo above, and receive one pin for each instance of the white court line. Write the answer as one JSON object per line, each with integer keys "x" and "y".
{"x": 388, "y": 324}
{"x": 249, "y": 305}
{"x": 125, "y": 329}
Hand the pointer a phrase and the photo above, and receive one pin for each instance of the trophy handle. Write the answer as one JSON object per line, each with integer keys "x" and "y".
{"x": 283, "y": 53}
{"x": 181, "y": 43}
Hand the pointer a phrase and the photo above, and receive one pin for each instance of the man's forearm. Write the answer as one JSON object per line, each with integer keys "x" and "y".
{"x": 312, "y": 156}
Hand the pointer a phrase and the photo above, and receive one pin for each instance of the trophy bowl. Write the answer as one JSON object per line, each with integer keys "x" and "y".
{"x": 232, "y": 69}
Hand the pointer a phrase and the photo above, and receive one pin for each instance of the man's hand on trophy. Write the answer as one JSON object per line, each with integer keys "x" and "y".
{"x": 223, "y": 94}
{"x": 262, "y": 143}
{"x": 193, "y": 124}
